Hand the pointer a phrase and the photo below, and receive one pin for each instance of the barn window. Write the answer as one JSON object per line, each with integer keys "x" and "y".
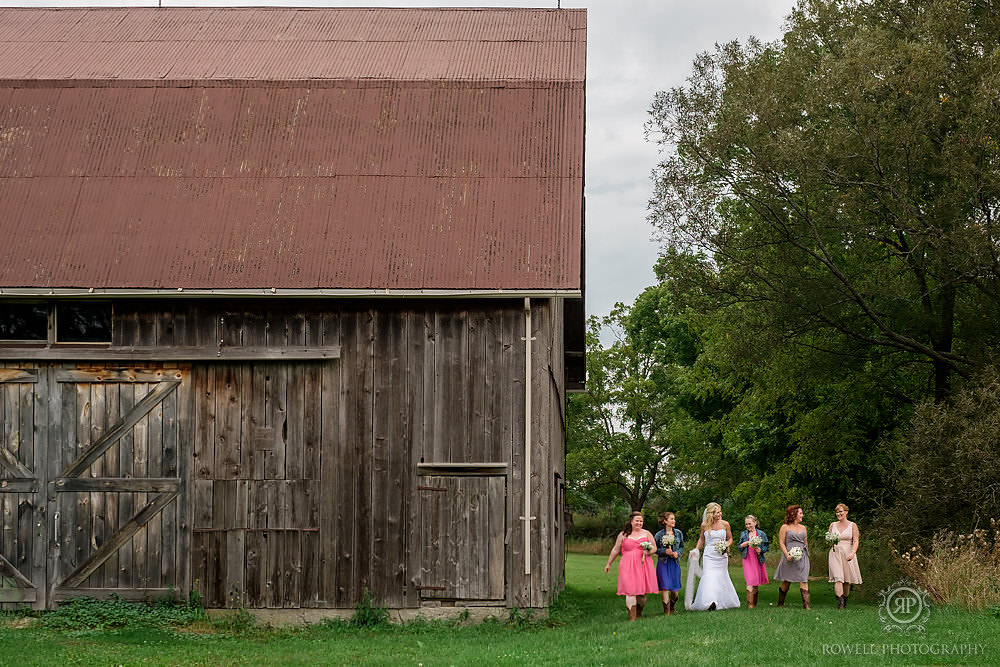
{"x": 24, "y": 321}
{"x": 83, "y": 322}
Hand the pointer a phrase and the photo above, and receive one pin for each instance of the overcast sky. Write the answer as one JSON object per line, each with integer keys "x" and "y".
{"x": 634, "y": 48}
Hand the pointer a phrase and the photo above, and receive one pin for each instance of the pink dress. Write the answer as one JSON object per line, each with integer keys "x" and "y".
{"x": 754, "y": 572}
{"x": 636, "y": 576}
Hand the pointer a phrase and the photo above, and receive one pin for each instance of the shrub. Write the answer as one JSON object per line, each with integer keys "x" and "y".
{"x": 367, "y": 615}
{"x": 116, "y": 612}
{"x": 958, "y": 569}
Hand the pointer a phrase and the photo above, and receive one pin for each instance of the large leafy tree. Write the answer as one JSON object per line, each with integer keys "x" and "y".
{"x": 837, "y": 192}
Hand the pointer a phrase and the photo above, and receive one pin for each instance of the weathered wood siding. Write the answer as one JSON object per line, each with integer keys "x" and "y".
{"x": 298, "y": 482}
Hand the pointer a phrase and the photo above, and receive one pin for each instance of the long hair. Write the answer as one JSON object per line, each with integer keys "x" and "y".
{"x": 627, "y": 530}
{"x": 791, "y": 513}
{"x": 663, "y": 518}
{"x": 709, "y": 518}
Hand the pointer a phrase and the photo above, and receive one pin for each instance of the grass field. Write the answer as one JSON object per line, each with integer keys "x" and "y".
{"x": 588, "y": 626}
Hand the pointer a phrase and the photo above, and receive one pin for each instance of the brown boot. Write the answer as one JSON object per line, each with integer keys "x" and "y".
{"x": 840, "y": 602}
{"x": 666, "y": 609}
{"x": 640, "y": 604}
{"x": 782, "y": 592}
{"x": 631, "y": 614}
{"x": 752, "y": 598}
{"x": 805, "y": 598}
{"x": 673, "y": 603}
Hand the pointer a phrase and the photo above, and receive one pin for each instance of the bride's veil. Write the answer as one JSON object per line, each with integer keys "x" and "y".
{"x": 694, "y": 567}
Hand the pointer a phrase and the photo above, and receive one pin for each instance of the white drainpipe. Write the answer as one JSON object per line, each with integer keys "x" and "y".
{"x": 527, "y": 518}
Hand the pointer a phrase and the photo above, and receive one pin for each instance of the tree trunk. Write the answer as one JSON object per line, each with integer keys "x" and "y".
{"x": 943, "y": 343}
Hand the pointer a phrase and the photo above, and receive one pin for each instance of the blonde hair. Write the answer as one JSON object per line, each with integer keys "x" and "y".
{"x": 709, "y": 519}
{"x": 841, "y": 506}
{"x": 753, "y": 518}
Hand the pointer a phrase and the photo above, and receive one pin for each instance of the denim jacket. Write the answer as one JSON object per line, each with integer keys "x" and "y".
{"x": 677, "y": 546}
{"x": 745, "y": 535}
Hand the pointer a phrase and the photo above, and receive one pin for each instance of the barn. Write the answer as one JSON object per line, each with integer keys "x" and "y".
{"x": 290, "y": 302}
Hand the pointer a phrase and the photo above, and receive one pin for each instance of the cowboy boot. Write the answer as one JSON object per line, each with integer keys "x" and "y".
{"x": 805, "y": 598}
{"x": 752, "y": 598}
{"x": 631, "y": 614}
{"x": 782, "y": 592}
{"x": 640, "y": 604}
{"x": 673, "y": 603}
{"x": 840, "y": 602}
{"x": 844, "y": 602}
{"x": 666, "y": 609}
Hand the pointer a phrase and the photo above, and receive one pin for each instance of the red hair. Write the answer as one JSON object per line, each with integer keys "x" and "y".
{"x": 791, "y": 513}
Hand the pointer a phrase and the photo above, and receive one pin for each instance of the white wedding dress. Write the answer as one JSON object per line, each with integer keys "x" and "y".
{"x": 715, "y": 585}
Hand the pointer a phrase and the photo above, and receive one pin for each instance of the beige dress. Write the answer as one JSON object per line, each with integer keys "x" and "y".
{"x": 841, "y": 569}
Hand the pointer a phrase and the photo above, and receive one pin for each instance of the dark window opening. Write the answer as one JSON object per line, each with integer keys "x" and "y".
{"x": 83, "y": 323}
{"x": 24, "y": 321}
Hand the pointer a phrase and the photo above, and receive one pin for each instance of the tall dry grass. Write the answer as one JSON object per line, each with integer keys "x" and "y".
{"x": 958, "y": 569}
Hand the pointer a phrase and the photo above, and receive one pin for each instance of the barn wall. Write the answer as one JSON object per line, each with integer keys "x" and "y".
{"x": 304, "y": 484}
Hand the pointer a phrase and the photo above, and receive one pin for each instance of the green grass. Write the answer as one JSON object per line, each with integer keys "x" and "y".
{"x": 588, "y": 626}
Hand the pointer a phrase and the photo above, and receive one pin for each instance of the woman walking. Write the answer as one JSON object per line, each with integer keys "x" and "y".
{"x": 844, "y": 570}
{"x": 753, "y": 546}
{"x": 669, "y": 547}
{"x": 635, "y": 570}
{"x": 794, "y": 565}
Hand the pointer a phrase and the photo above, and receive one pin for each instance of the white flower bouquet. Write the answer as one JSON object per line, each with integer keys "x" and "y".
{"x": 721, "y": 547}
{"x": 667, "y": 540}
{"x": 831, "y": 538}
{"x": 755, "y": 541}
{"x": 796, "y": 553}
{"x": 646, "y": 548}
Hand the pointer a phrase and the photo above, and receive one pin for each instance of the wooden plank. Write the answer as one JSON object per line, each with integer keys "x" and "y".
{"x": 204, "y": 434}
{"x": 126, "y": 502}
{"x": 8, "y": 569}
{"x": 98, "y": 417}
{"x": 185, "y": 507}
{"x": 255, "y": 544}
{"x": 415, "y": 340}
{"x": 112, "y": 468}
{"x": 518, "y": 592}
{"x": 83, "y": 523}
{"x": 472, "y": 468}
{"x": 274, "y": 567}
{"x": 349, "y": 467}
{"x": 309, "y": 548}
{"x": 117, "y": 484}
{"x": 12, "y": 486}
{"x": 475, "y": 380}
{"x": 199, "y": 563}
{"x": 8, "y": 460}
{"x": 18, "y": 375}
{"x": 276, "y": 407}
{"x": 495, "y": 520}
{"x": 364, "y": 453}
{"x": 235, "y": 568}
{"x": 117, "y": 375}
{"x": 292, "y": 575}
{"x": 39, "y": 395}
{"x": 140, "y": 468}
{"x": 142, "y": 354}
{"x": 168, "y": 469}
{"x": 228, "y": 411}
{"x": 295, "y": 399}
{"x": 131, "y": 594}
{"x": 93, "y": 452}
{"x": 18, "y": 595}
{"x": 330, "y": 451}
{"x": 80, "y": 574}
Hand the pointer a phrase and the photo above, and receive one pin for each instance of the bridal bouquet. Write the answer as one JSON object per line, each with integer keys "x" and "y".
{"x": 646, "y": 548}
{"x": 755, "y": 541}
{"x": 796, "y": 553}
{"x": 831, "y": 537}
{"x": 667, "y": 540}
{"x": 720, "y": 547}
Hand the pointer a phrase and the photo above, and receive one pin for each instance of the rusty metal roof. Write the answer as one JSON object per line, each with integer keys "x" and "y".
{"x": 332, "y": 148}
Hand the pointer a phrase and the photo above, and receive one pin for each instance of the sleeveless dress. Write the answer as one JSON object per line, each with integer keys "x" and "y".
{"x": 635, "y": 576}
{"x": 715, "y": 585}
{"x": 754, "y": 572}
{"x": 794, "y": 570}
{"x": 841, "y": 569}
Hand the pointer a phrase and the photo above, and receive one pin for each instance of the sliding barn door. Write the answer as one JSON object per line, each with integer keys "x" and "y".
{"x": 22, "y": 503}
{"x": 462, "y": 526}
{"x": 117, "y": 438}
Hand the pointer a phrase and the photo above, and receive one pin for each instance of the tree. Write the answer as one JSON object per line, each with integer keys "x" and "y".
{"x": 623, "y": 429}
{"x": 839, "y": 189}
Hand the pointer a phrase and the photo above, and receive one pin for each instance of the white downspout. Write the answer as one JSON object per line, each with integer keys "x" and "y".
{"x": 527, "y": 518}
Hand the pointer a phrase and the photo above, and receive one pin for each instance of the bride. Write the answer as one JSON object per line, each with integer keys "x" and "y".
{"x": 716, "y": 589}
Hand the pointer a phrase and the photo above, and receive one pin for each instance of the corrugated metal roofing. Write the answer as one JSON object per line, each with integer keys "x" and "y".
{"x": 269, "y": 43}
{"x": 430, "y": 179}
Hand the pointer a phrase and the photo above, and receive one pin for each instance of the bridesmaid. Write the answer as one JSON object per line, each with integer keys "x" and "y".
{"x": 668, "y": 568}
{"x": 793, "y": 534}
{"x": 636, "y": 575}
{"x": 844, "y": 569}
{"x": 754, "y": 572}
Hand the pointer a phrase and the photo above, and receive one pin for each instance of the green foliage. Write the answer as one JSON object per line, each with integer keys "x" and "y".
{"x": 239, "y": 621}
{"x": 367, "y": 614}
{"x": 86, "y": 613}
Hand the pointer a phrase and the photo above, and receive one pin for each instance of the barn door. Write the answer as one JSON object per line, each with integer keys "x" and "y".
{"x": 22, "y": 507}
{"x": 462, "y": 525}
{"x": 116, "y": 516}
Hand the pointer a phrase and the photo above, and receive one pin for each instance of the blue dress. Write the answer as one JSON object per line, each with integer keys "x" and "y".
{"x": 668, "y": 569}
